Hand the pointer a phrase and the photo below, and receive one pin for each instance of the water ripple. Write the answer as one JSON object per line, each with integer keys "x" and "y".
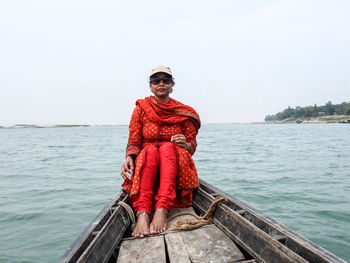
{"x": 54, "y": 181}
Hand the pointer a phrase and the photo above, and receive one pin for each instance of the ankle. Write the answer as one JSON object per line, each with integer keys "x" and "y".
{"x": 162, "y": 210}
{"x": 142, "y": 213}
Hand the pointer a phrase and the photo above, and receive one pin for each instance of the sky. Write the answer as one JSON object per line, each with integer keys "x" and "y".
{"x": 86, "y": 62}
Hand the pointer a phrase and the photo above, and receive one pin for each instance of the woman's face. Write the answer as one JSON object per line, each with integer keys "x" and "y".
{"x": 158, "y": 87}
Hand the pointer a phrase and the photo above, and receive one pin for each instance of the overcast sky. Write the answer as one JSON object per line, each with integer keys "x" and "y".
{"x": 70, "y": 62}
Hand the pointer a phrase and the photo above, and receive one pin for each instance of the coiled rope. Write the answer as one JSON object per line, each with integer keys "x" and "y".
{"x": 130, "y": 213}
{"x": 182, "y": 224}
{"x": 189, "y": 224}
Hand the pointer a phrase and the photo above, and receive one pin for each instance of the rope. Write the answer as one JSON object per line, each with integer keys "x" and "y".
{"x": 130, "y": 213}
{"x": 189, "y": 224}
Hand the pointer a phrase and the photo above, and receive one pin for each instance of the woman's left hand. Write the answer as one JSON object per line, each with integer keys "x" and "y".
{"x": 179, "y": 140}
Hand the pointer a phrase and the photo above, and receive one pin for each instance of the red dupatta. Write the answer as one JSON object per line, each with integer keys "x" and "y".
{"x": 168, "y": 113}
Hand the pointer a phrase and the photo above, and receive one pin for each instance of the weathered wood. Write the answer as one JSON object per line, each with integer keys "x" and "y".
{"x": 92, "y": 233}
{"x": 259, "y": 235}
{"x": 210, "y": 244}
{"x": 144, "y": 250}
{"x": 294, "y": 242}
{"x": 107, "y": 239}
{"x": 176, "y": 248}
{"x": 255, "y": 241}
{"x": 247, "y": 261}
{"x": 176, "y": 215}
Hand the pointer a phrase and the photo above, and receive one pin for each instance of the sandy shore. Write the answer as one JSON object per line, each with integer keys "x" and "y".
{"x": 323, "y": 119}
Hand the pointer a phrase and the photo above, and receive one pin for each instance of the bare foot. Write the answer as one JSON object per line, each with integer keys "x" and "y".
{"x": 159, "y": 222}
{"x": 142, "y": 226}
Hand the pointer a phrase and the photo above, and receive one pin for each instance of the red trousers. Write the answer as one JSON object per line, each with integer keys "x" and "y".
{"x": 157, "y": 193}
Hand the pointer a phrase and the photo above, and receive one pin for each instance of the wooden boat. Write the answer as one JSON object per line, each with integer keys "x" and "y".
{"x": 239, "y": 233}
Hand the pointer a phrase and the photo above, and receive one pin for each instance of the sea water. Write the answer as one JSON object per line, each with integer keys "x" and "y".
{"x": 54, "y": 181}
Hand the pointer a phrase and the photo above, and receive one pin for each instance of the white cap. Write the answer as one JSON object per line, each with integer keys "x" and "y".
{"x": 163, "y": 69}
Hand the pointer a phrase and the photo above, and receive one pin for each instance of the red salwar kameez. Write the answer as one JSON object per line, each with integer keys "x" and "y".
{"x": 164, "y": 175}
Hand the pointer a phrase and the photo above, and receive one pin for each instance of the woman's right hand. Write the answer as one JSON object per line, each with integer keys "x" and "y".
{"x": 127, "y": 167}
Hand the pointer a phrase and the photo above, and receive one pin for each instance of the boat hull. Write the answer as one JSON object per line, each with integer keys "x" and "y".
{"x": 258, "y": 236}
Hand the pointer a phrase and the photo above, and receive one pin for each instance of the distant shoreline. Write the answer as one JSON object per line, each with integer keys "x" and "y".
{"x": 26, "y": 126}
{"x": 320, "y": 120}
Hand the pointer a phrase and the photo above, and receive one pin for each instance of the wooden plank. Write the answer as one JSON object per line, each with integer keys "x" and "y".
{"x": 103, "y": 245}
{"x": 210, "y": 244}
{"x": 247, "y": 261}
{"x": 89, "y": 235}
{"x": 176, "y": 248}
{"x": 175, "y": 214}
{"x": 256, "y": 242}
{"x": 145, "y": 250}
{"x": 294, "y": 242}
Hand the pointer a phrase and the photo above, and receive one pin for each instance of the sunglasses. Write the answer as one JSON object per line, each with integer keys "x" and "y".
{"x": 156, "y": 80}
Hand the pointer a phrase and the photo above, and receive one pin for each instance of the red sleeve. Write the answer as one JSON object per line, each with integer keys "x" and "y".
{"x": 135, "y": 133}
{"x": 190, "y": 133}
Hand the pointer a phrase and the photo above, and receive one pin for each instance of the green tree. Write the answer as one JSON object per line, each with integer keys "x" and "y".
{"x": 343, "y": 108}
{"x": 309, "y": 111}
{"x": 268, "y": 118}
{"x": 329, "y": 108}
{"x": 347, "y": 109}
{"x": 315, "y": 111}
{"x": 299, "y": 112}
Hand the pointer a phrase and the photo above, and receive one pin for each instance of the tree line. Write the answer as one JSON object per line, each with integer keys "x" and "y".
{"x": 311, "y": 111}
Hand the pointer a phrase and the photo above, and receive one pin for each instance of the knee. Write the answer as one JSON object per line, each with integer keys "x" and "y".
{"x": 167, "y": 148}
{"x": 152, "y": 150}
{"x": 152, "y": 154}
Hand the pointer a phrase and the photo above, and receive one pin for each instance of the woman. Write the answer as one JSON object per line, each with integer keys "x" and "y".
{"x": 162, "y": 138}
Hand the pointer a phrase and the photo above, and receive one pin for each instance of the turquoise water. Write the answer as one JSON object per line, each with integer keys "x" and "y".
{"x": 54, "y": 181}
